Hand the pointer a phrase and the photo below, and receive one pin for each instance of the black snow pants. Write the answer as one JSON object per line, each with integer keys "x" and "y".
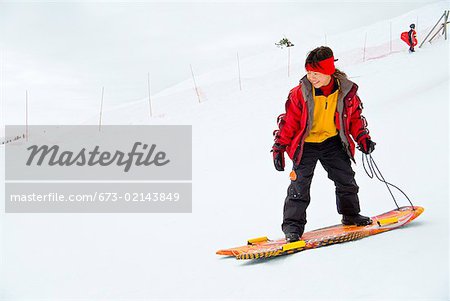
{"x": 336, "y": 162}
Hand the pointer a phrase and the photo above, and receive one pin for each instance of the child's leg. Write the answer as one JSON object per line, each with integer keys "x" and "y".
{"x": 298, "y": 197}
{"x": 338, "y": 166}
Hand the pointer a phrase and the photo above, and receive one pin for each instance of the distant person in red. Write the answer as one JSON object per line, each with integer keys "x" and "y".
{"x": 410, "y": 37}
{"x": 322, "y": 121}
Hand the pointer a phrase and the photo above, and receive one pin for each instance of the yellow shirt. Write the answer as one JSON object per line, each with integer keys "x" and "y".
{"x": 323, "y": 122}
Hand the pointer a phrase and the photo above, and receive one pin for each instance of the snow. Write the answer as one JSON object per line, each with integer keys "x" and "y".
{"x": 237, "y": 194}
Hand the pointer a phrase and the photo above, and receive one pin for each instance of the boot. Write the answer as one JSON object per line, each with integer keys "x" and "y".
{"x": 356, "y": 219}
{"x": 291, "y": 237}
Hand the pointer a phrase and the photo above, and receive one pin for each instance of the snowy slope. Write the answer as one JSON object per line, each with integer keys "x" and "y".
{"x": 237, "y": 194}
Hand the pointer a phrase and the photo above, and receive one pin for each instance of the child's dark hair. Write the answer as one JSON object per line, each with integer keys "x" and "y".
{"x": 319, "y": 54}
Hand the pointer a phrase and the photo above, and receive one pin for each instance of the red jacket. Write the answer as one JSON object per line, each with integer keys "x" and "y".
{"x": 409, "y": 37}
{"x": 294, "y": 125}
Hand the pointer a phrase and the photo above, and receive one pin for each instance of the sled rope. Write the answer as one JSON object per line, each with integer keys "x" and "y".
{"x": 373, "y": 170}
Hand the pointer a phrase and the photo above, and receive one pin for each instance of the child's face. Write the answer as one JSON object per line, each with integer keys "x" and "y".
{"x": 318, "y": 79}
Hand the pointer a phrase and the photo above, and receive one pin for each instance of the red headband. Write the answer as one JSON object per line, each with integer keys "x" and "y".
{"x": 325, "y": 66}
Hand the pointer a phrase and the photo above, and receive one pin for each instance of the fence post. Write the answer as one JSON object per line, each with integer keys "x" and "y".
{"x": 289, "y": 60}
{"x": 101, "y": 110}
{"x": 195, "y": 85}
{"x": 26, "y": 115}
{"x": 239, "y": 72}
{"x": 149, "y": 97}
{"x": 390, "y": 37}
{"x": 365, "y": 42}
{"x": 431, "y": 31}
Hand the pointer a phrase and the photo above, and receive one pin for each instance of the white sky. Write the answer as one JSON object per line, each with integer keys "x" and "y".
{"x": 65, "y": 52}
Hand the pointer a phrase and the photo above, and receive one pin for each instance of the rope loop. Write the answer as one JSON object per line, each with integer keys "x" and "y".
{"x": 373, "y": 170}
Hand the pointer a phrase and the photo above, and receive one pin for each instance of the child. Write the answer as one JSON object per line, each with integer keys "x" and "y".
{"x": 412, "y": 37}
{"x": 321, "y": 114}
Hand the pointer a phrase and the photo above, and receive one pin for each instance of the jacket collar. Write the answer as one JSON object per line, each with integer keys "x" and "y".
{"x": 346, "y": 86}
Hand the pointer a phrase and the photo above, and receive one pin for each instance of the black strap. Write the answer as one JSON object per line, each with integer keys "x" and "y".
{"x": 374, "y": 170}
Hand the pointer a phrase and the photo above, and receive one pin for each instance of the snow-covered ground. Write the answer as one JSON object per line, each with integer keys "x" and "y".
{"x": 237, "y": 194}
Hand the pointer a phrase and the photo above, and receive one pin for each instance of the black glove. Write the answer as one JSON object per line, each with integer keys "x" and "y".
{"x": 278, "y": 156}
{"x": 366, "y": 145}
